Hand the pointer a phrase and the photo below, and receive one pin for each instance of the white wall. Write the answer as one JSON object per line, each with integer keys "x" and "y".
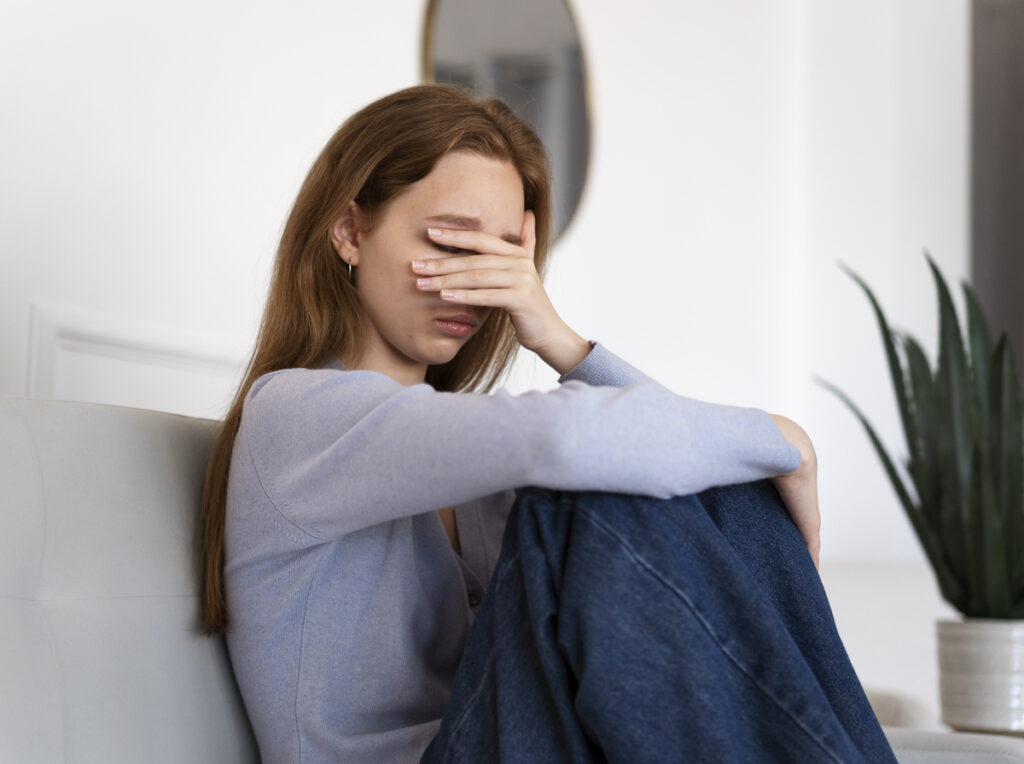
{"x": 149, "y": 156}
{"x": 886, "y": 112}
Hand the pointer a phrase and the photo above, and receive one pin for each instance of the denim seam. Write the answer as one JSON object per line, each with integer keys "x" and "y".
{"x": 588, "y": 514}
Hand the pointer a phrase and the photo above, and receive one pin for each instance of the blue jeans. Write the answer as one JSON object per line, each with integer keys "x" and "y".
{"x": 629, "y": 629}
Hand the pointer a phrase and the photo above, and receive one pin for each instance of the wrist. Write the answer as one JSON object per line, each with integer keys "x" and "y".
{"x": 564, "y": 351}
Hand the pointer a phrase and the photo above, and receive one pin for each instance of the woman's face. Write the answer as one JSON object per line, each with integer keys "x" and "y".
{"x": 409, "y": 331}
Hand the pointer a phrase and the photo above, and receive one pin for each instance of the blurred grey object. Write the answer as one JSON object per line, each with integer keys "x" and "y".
{"x": 997, "y": 164}
{"x": 529, "y": 55}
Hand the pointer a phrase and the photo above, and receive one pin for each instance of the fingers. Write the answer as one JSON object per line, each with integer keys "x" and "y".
{"x": 803, "y": 508}
{"x": 475, "y": 272}
{"x": 456, "y": 285}
{"x": 464, "y": 278}
{"x": 484, "y": 298}
{"x": 799, "y": 489}
{"x": 810, "y": 530}
{"x": 442, "y": 266}
{"x": 492, "y": 272}
{"x": 801, "y": 499}
{"x": 529, "y": 233}
{"x": 476, "y": 241}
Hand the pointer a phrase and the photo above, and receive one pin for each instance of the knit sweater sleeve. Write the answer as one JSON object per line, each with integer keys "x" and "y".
{"x": 340, "y": 451}
{"x": 602, "y": 367}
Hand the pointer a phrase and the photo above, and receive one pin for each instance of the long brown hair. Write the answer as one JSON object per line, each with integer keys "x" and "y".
{"x": 313, "y": 309}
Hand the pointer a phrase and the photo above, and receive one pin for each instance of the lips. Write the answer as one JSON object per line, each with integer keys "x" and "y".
{"x": 461, "y": 318}
{"x": 458, "y": 325}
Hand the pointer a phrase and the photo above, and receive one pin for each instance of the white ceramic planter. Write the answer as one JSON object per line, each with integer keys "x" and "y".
{"x": 981, "y": 675}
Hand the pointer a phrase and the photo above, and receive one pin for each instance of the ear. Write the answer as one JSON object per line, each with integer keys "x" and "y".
{"x": 345, "y": 233}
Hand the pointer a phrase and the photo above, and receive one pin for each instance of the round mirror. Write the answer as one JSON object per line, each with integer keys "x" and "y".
{"x": 528, "y": 54}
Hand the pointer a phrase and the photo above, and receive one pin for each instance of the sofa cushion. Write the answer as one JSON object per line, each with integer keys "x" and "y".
{"x": 100, "y": 653}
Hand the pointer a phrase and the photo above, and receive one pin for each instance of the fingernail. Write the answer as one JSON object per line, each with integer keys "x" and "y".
{"x": 447, "y": 293}
{"x": 435, "y": 232}
{"x": 422, "y": 282}
{"x": 418, "y": 264}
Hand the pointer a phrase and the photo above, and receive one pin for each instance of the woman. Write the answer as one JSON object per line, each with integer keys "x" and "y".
{"x": 361, "y": 500}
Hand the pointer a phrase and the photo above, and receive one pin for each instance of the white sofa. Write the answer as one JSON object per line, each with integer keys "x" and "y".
{"x": 100, "y": 656}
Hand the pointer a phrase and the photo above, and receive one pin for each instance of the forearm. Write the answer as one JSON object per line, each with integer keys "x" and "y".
{"x": 564, "y": 351}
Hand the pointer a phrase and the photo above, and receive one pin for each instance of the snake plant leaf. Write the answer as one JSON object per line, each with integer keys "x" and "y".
{"x": 990, "y": 593}
{"x": 895, "y": 369}
{"x": 953, "y": 532}
{"x": 980, "y": 341}
{"x": 954, "y": 446}
{"x": 965, "y": 437}
{"x": 1006, "y": 444}
{"x": 954, "y": 393}
{"x": 952, "y": 589}
{"x": 926, "y": 414}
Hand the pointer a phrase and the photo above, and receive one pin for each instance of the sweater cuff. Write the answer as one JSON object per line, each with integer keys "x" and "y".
{"x": 601, "y": 367}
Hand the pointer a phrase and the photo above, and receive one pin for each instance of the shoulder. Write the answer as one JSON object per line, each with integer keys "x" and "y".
{"x": 303, "y": 400}
{"x": 298, "y": 385}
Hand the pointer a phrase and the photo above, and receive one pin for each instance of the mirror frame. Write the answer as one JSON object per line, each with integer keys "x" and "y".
{"x": 427, "y": 77}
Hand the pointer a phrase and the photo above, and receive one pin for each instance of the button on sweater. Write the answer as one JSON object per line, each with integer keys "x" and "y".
{"x": 348, "y": 607}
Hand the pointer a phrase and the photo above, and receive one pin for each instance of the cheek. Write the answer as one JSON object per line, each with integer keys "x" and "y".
{"x": 385, "y": 275}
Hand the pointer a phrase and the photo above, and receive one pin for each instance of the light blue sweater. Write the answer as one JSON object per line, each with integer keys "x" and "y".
{"x": 348, "y": 607}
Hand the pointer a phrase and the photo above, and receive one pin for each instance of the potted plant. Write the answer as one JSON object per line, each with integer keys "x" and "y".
{"x": 963, "y": 492}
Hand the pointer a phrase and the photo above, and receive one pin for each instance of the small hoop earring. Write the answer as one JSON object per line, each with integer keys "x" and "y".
{"x": 350, "y": 270}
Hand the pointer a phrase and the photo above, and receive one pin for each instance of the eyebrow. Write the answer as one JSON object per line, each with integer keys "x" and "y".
{"x": 471, "y": 224}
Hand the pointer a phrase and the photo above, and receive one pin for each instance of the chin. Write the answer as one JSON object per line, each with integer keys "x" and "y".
{"x": 439, "y": 359}
{"x": 441, "y": 352}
